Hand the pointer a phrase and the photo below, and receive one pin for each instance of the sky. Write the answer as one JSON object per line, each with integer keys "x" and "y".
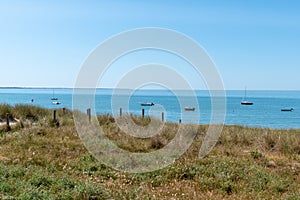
{"x": 252, "y": 43}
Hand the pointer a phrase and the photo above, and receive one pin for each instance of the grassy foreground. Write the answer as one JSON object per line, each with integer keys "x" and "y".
{"x": 40, "y": 160}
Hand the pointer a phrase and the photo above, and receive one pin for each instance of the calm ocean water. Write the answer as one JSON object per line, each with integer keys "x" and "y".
{"x": 266, "y": 111}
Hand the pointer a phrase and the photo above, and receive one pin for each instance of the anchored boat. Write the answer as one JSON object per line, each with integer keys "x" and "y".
{"x": 147, "y": 104}
{"x": 287, "y": 109}
{"x": 189, "y": 108}
{"x": 244, "y": 101}
{"x": 53, "y": 97}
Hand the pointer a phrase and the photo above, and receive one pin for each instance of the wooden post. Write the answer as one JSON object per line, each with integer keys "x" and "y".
{"x": 55, "y": 121}
{"x": 88, "y": 111}
{"x": 54, "y": 116}
{"x": 162, "y": 116}
{"x": 7, "y": 122}
{"x": 143, "y": 113}
{"x": 179, "y": 121}
{"x": 7, "y": 119}
{"x": 120, "y": 112}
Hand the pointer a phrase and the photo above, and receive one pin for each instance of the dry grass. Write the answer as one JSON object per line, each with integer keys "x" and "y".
{"x": 42, "y": 161}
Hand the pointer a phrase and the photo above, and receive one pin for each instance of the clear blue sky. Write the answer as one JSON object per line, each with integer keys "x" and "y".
{"x": 254, "y": 43}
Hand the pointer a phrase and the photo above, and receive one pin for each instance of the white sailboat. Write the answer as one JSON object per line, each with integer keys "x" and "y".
{"x": 244, "y": 101}
{"x": 53, "y": 98}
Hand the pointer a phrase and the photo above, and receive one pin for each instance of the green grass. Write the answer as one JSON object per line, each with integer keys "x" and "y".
{"x": 42, "y": 161}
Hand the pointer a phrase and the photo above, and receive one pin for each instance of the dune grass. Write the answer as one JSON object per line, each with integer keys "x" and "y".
{"x": 41, "y": 161}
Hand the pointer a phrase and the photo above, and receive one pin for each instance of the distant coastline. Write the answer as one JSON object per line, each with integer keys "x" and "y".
{"x": 150, "y": 89}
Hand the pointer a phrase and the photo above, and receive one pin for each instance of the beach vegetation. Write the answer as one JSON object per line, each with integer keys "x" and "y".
{"x": 42, "y": 161}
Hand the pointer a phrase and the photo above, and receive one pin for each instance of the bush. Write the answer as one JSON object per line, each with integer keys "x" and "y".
{"x": 4, "y": 109}
{"x": 30, "y": 112}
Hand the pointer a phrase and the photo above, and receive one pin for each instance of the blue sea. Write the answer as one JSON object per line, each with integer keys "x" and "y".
{"x": 265, "y": 112}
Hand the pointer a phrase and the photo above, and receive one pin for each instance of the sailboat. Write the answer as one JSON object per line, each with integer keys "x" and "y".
{"x": 244, "y": 101}
{"x": 53, "y": 98}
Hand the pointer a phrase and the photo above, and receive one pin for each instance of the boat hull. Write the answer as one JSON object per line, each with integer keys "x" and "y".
{"x": 287, "y": 110}
{"x": 189, "y": 109}
{"x": 246, "y": 103}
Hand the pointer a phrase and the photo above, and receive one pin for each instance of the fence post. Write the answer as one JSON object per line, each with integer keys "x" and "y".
{"x": 54, "y": 116}
{"x": 7, "y": 122}
{"x": 143, "y": 113}
{"x": 88, "y": 111}
{"x": 7, "y": 119}
{"x": 120, "y": 112}
{"x": 162, "y": 116}
{"x": 55, "y": 121}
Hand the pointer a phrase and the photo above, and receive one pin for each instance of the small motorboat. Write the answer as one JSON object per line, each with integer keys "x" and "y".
{"x": 56, "y": 102}
{"x": 189, "y": 108}
{"x": 287, "y": 109}
{"x": 246, "y": 103}
{"x": 147, "y": 104}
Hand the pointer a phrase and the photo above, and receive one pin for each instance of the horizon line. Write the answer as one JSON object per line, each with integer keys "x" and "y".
{"x": 111, "y": 88}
